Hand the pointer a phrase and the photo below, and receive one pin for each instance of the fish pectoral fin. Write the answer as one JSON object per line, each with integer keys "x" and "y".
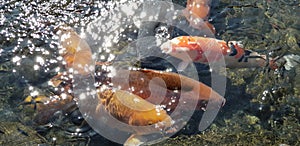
{"x": 135, "y": 140}
{"x": 182, "y": 66}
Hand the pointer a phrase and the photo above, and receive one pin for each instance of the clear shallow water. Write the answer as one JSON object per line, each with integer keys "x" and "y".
{"x": 261, "y": 108}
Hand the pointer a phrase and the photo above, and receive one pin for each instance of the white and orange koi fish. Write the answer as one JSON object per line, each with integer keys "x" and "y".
{"x": 202, "y": 50}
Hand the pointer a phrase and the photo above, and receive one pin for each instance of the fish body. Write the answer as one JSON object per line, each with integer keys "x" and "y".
{"x": 208, "y": 50}
{"x": 133, "y": 110}
{"x": 73, "y": 46}
{"x": 46, "y": 107}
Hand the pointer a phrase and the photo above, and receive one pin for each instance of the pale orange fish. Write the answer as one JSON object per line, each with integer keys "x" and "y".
{"x": 73, "y": 45}
{"x": 203, "y": 50}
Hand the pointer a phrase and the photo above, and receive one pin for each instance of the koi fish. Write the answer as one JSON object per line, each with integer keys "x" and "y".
{"x": 174, "y": 84}
{"x": 202, "y": 50}
{"x": 132, "y": 109}
{"x": 46, "y": 107}
{"x": 196, "y": 12}
{"x": 73, "y": 46}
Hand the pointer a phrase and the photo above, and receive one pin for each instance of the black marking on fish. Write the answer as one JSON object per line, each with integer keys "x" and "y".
{"x": 32, "y": 102}
{"x": 246, "y": 59}
{"x": 233, "y": 50}
{"x": 241, "y": 59}
{"x": 247, "y": 55}
{"x": 256, "y": 57}
{"x": 247, "y": 52}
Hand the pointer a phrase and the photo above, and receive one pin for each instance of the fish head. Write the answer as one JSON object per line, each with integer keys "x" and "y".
{"x": 68, "y": 40}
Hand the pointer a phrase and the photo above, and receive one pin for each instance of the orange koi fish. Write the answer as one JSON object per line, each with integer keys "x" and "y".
{"x": 196, "y": 12}
{"x": 203, "y": 49}
{"x": 132, "y": 110}
{"x": 193, "y": 91}
{"x": 73, "y": 46}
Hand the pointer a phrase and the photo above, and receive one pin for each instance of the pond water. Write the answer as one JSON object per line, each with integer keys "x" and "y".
{"x": 262, "y": 106}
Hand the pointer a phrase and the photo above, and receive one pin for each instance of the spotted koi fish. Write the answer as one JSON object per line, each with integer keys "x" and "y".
{"x": 204, "y": 50}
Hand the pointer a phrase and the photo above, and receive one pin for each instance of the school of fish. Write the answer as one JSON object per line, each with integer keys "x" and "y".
{"x": 186, "y": 48}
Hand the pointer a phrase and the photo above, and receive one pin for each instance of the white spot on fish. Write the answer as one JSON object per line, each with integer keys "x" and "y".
{"x": 175, "y": 41}
{"x": 182, "y": 49}
{"x": 136, "y": 100}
